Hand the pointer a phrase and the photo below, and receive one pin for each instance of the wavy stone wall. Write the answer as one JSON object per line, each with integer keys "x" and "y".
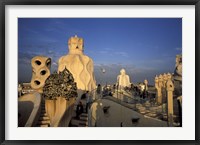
{"x": 80, "y": 65}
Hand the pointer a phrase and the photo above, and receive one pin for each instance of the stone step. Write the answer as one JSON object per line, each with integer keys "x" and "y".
{"x": 78, "y": 122}
{"x": 44, "y": 118}
{"x": 43, "y": 107}
{"x": 151, "y": 114}
{"x": 43, "y": 114}
{"x": 83, "y": 118}
{"x": 42, "y": 104}
{"x": 42, "y": 125}
{"x": 143, "y": 112}
{"x": 83, "y": 124}
{"x": 141, "y": 108}
{"x": 40, "y": 122}
{"x": 43, "y": 111}
{"x": 84, "y": 107}
{"x": 84, "y": 115}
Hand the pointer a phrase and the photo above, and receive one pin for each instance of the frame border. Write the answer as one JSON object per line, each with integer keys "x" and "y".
{"x": 3, "y": 4}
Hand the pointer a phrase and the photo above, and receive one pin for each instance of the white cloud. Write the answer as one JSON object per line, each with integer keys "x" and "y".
{"x": 111, "y": 52}
{"x": 103, "y": 52}
{"x": 136, "y": 73}
{"x": 120, "y": 53}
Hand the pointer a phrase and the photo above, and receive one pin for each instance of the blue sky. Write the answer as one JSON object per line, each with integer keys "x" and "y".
{"x": 143, "y": 46}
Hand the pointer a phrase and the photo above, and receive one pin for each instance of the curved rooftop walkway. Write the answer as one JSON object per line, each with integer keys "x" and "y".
{"x": 120, "y": 114}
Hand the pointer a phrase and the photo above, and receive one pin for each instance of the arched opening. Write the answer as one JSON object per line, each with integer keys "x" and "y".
{"x": 43, "y": 72}
{"x": 37, "y": 82}
{"x": 38, "y": 62}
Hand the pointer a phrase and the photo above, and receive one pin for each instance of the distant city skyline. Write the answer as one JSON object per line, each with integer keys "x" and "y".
{"x": 144, "y": 47}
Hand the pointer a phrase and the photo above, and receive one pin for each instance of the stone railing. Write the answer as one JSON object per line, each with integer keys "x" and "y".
{"x": 35, "y": 114}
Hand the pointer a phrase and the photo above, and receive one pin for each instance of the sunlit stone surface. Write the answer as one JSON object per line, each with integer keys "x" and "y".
{"x": 170, "y": 89}
{"x": 40, "y": 72}
{"x": 158, "y": 86}
{"x": 178, "y": 68}
{"x": 146, "y": 84}
{"x": 178, "y": 75}
{"x": 123, "y": 79}
{"x": 80, "y": 65}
